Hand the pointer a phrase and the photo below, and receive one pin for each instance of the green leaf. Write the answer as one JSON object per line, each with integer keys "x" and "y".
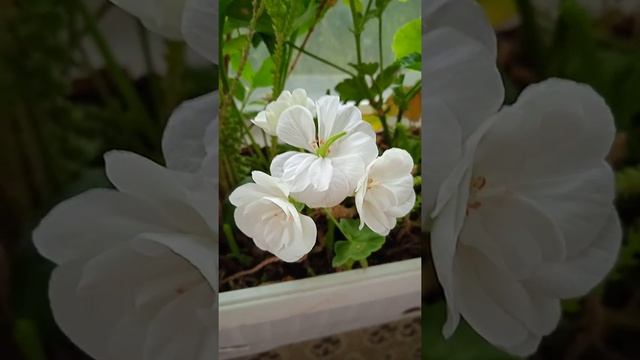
{"x": 412, "y": 61}
{"x": 387, "y": 76}
{"x": 365, "y": 68}
{"x": 264, "y": 76}
{"x": 407, "y": 39}
{"x": 360, "y": 244}
{"x": 352, "y": 89}
{"x": 464, "y": 344}
{"x": 403, "y": 139}
{"x": 235, "y": 45}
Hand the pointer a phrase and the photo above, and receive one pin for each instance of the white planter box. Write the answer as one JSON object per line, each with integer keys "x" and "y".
{"x": 262, "y": 318}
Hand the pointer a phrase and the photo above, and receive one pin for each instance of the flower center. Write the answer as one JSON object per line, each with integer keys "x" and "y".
{"x": 323, "y": 147}
{"x": 477, "y": 184}
{"x": 370, "y": 183}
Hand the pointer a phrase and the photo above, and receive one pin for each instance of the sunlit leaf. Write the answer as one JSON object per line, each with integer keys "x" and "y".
{"x": 407, "y": 39}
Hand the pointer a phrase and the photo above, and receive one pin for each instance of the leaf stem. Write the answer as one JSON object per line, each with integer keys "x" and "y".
{"x": 324, "y": 61}
{"x": 330, "y": 216}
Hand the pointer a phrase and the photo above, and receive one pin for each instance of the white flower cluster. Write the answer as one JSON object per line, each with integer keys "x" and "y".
{"x": 520, "y": 198}
{"x": 337, "y": 158}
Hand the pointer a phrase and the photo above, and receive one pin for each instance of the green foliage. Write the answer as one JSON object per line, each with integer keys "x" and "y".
{"x": 628, "y": 182}
{"x": 407, "y": 39}
{"x": 464, "y": 344}
{"x": 629, "y": 254}
{"x": 403, "y": 139}
{"x": 359, "y": 245}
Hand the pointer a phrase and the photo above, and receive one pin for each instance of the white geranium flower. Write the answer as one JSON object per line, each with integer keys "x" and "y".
{"x": 338, "y": 152}
{"x": 137, "y": 263}
{"x": 264, "y": 213}
{"x": 526, "y": 217}
{"x": 195, "y": 21}
{"x": 267, "y": 119}
{"x": 386, "y": 191}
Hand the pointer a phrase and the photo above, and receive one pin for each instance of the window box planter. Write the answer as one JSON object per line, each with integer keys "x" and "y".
{"x": 258, "y": 319}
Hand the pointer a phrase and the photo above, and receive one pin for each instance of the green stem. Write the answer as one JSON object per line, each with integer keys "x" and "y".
{"x": 324, "y": 61}
{"x": 380, "y": 54}
{"x": 274, "y": 146}
{"x": 233, "y": 245}
{"x": 324, "y": 149}
{"x": 363, "y": 263}
{"x": 329, "y": 239}
{"x": 327, "y": 211}
{"x": 357, "y": 30}
{"x": 122, "y": 82}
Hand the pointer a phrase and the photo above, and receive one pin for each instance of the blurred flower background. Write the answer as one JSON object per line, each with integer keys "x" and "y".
{"x": 77, "y": 78}
{"x": 594, "y": 42}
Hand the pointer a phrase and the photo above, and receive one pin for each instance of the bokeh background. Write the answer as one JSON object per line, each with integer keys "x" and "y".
{"x": 596, "y": 42}
{"x": 77, "y": 78}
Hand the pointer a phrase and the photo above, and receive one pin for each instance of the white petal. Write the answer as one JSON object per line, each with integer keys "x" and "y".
{"x": 444, "y": 240}
{"x": 277, "y": 164}
{"x": 183, "y": 142}
{"x": 94, "y": 221}
{"x": 535, "y": 130}
{"x": 299, "y": 247}
{"x": 360, "y": 144}
{"x": 463, "y": 15}
{"x": 296, "y": 128}
{"x": 295, "y": 169}
{"x": 483, "y": 313}
{"x": 320, "y": 173}
{"x": 513, "y": 232}
{"x": 376, "y": 219}
{"x": 271, "y": 184}
{"x": 163, "y": 342}
{"x": 393, "y": 164}
{"x": 580, "y": 204}
{"x": 200, "y": 27}
{"x": 261, "y": 121}
{"x": 327, "y": 107}
{"x": 465, "y": 88}
{"x": 582, "y": 272}
{"x": 200, "y": 252}
{"x": 334, "y": 118}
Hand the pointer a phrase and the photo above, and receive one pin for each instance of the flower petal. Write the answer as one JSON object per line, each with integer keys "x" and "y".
{"x": 200, "y": 27}
{"x": 514, "y": 233}
{"x": 298, "y": 247}
{"x": 580, "y": 273}
{"x": 334, "y": 117}
{"x": 183, "y": 142}
{"x": 94, "y": 221}
{"x": 580, "y": 204}
{"x": 557, "y": 128}
{"x": 479, "y": 309}
{"x": 296, "y": 128}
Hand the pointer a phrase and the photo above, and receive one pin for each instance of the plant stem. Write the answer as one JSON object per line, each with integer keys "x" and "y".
{"x": 124, "y": 85}
{"x": 363, "y": 263}
{"x": 324, "y": 61}
{"x": 308, "y": 36}
{"x": 330, "y": 216}
{"x": 357, "y": 30}
{"x": 380, "y": 54}
{"x": 233, "y": 245}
